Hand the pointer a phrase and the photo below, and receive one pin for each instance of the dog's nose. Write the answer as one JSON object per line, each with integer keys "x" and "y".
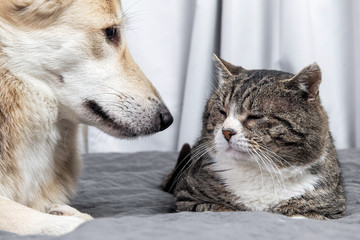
{"x": 166, "y": 119}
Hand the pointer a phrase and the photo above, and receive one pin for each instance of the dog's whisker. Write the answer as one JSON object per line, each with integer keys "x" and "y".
{"x": 122, "y": 93}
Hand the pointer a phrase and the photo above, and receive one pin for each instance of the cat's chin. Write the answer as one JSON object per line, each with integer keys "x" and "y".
{"x": 238, "y": 154}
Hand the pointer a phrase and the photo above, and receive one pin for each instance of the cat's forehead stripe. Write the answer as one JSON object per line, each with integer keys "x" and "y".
{"x": 243, "y": 87}
{"x": 228, "y": 97}
{"x": 242, "y": 95}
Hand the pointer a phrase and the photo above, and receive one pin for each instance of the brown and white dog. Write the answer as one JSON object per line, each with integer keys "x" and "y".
{"x": 62, "y": 62}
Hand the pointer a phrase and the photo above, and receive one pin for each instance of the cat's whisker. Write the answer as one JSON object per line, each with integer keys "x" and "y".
{"x": 195, "y": 155}
{"x": 205, "y": 160}
{"x": 275, "y": 155}
{"x": 248, "y": 150}
{"x": 276, "y": 158}
{"x": 201, "y": 152}
{"x": 276, "y": 171}
{"x": 192, "y": 162}
{"x": 268, "y": 169}
{"x": 264, "y": 147}
{"x": 198, "y": 151}
{"x": 279, "y": 174}
{"x": 271, "y": 152}
{"x": 193, "y": 151}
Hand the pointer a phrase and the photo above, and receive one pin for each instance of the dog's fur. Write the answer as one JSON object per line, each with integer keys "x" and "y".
{"x": 60, "y": 65}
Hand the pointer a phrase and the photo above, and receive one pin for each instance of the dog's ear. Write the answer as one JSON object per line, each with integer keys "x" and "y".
{"x": 32, "y": 13}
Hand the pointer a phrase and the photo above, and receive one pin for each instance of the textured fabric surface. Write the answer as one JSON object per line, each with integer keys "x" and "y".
{"x": 122, "y": 191}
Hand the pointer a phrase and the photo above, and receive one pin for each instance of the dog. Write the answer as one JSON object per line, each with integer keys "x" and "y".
{"x": 62, "y": 63}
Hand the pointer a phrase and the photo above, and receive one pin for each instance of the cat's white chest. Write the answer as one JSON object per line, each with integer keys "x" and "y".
{"x": 256, "y": 187}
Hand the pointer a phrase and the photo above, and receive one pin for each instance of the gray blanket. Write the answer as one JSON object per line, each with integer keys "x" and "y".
{"x": 122, "y": 191}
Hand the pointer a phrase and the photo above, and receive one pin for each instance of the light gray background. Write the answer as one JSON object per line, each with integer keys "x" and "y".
{"x": 173, "y": 40}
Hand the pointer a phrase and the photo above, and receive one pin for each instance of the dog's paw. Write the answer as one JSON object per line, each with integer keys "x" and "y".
{"x": 58, "y": 225}
{"x": 65, "y": 210}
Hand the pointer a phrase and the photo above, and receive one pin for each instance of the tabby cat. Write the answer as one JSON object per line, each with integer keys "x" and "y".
{"x": 265, "y": 145}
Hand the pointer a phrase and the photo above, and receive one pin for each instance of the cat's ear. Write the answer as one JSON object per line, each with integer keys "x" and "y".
{"x": 309, "y": 79}
{"x": 225, "y": 70}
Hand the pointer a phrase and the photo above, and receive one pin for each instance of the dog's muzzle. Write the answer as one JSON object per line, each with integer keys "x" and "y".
{"x": 132, "y": 125}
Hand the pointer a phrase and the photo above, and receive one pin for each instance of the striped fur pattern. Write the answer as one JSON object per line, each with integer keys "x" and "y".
{"x": 265, "y": 146}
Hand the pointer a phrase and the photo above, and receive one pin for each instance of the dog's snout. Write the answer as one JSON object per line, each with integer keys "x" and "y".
{"x": 166, "y": 119}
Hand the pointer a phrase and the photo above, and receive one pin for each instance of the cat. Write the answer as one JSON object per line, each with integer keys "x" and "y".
{"x": 265, "y": 145}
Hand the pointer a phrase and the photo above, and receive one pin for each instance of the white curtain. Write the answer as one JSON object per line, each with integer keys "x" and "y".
{"x": 173, "y": 41}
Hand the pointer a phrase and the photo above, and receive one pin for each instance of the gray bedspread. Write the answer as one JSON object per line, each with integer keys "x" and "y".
{"x": 122, "y": 191}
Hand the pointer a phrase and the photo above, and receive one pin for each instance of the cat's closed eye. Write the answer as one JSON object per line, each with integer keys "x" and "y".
{"x": 254, "y": 117}
{"x": 223, "y": 112}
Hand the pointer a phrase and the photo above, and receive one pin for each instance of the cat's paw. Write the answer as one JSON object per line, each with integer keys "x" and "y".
{"x": 65, "y": 210}
{"x": 309, "y": 216}
{"x": 298, "y": 216}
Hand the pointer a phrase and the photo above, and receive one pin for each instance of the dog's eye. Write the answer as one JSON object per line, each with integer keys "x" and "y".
{"x": 111, "y": 33}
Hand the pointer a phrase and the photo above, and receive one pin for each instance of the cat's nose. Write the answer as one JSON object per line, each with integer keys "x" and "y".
{"x": 228, "y": 133}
